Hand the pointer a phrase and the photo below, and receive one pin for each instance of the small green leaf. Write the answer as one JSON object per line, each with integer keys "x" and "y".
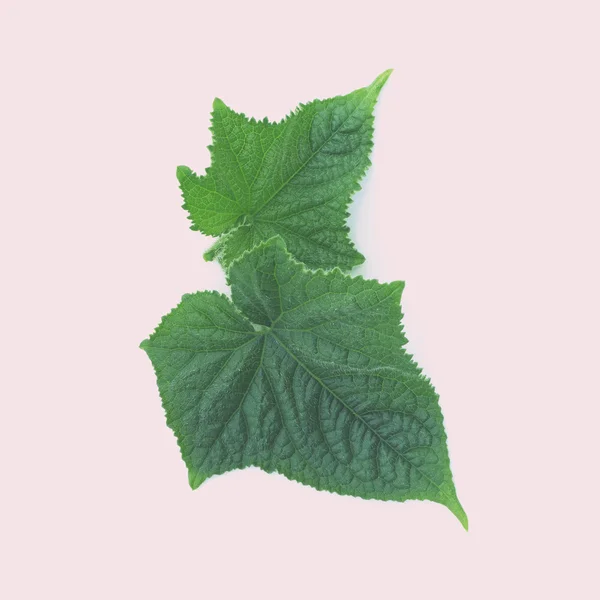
{"x": 294, "y": 178}
{"x": 303, "y": 373}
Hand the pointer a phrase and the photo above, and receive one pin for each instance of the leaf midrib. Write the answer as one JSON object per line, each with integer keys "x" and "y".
{"x": 312, "y": 155}
{"x": 357, "y": 415}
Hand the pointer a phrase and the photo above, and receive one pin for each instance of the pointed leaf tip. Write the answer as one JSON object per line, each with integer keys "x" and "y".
{"x": 464, "y": 520}
{"x": 183, "y": 173}
{"x": 195, "y": 479}
{"x": 210, "y": 254}
{"x": 459, "y": 512}
{"x": 218, "y": 104}
{"x": 381, "y": 79}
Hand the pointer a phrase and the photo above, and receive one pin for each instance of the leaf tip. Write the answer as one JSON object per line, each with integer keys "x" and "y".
{"x": 195, "y": 479}
{"x": 218, "y": 104}
{"x": 183, "y": 173}
{"x": 210, "y": 254}
{"x": 380, "y": 80}
{"x": 459, "y": 512}
{"x": 359, "y": 259}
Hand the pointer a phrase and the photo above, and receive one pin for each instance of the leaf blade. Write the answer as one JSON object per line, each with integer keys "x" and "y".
{"x": 294, "y": 178}
{"x": 321, "y": 390}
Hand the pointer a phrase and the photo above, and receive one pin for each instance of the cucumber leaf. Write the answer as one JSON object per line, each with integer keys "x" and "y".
{"x": 293, "y": 178}
{"x": 303, "y": 373}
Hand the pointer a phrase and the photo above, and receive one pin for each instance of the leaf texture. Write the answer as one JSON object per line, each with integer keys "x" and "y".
{"x": 303, "y": 373}
{"x": 293, "y": 178}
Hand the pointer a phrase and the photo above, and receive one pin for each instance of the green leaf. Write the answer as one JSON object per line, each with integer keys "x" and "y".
{"x": 304, "y": 373}
{"x": 293, "y": 178}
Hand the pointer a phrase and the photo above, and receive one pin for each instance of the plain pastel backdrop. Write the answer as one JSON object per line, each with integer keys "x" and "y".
{"x": 483, "y": 197}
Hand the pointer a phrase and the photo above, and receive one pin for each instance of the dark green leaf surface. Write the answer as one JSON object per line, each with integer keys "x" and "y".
{"x": 304, "y": 373}
{"x": 293, "y": 178}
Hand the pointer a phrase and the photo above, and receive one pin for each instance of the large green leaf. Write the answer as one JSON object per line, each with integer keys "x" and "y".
{"x": 293, "y": 178}
{"x": 304, "y": 373}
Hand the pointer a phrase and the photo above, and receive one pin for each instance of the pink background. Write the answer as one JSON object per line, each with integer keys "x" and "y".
{"x": 483, "y": 197}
